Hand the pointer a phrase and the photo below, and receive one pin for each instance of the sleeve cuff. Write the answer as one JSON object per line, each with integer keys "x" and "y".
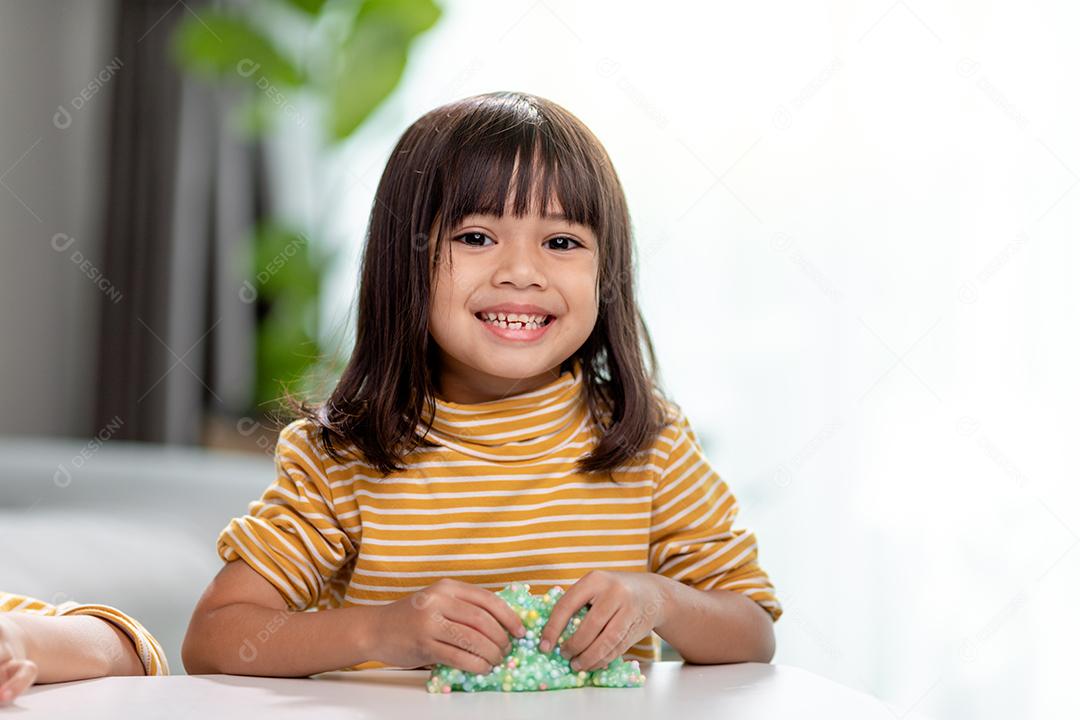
{"x": 759, "y": 589}
{"x": 146, "y": 646}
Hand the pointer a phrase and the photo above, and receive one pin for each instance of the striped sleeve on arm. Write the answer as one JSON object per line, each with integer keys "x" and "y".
{"x": 692, "y": 535}
{"x": 292, "y": 535}
{"x": 146, "y": 645}
{"x": 10, "y": 602}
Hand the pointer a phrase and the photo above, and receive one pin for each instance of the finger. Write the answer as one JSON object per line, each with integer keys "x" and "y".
{"x": 468, "y": 639}
{"x": 484, "y": 625}
{"x": 455, "y": 657}
{"x": 20, "y": 674}
{"x": 592, "y": 625}
{"x": 495, "y": 606}
{"x": 7, "y": 669}
{"x": 580, "y": 593}
{"x": 608, "y": 645}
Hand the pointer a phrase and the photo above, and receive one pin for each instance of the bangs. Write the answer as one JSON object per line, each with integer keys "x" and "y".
{"x": 508, "y": 148}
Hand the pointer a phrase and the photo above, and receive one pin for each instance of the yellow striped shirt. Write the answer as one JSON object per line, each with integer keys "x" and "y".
{"x": 146, "y": 646}
{"x": 496, "y": 500}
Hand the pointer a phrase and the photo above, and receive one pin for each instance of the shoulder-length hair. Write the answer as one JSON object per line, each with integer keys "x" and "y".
{"x": 456, "y": 160}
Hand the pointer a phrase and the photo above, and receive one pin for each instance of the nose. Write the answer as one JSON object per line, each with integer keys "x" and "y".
{"x": 520, "y": 264}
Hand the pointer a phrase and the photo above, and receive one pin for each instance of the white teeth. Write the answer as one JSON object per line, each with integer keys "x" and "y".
{"x": 518, "y": 319}
{"x": 514, "y": 321}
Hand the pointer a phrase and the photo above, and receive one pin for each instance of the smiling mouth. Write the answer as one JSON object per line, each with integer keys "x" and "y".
{"x": 515, "y": 324}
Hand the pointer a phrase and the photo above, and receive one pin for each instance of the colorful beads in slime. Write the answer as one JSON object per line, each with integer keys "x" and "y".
{"x": 525, "y": 667}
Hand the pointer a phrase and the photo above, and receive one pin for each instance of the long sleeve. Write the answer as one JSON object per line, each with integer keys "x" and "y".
{"x": 292, "y": 535}
{"x": 693, "y": 537}
{"x": 146, "y": 646}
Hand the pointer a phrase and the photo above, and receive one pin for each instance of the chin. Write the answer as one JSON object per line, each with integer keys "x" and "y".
{"x": 512, "y": 365}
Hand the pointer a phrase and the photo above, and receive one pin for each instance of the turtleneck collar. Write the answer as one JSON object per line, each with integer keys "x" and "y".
{"x": 519, "y": 427}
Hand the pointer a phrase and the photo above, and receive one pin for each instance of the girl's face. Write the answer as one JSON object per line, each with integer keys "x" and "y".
{"x": 489, "y": 261}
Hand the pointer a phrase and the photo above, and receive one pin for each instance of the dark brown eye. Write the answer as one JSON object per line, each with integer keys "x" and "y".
{"x": 566, "y": 239}
{"x": 472, "y": 237}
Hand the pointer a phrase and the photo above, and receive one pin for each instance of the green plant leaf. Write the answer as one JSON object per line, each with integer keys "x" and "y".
{"x": 371, "y": 64}
{"x": 311, "y": 7}
{"x": 373, "y": 58}
{"x": 285, "y": 264}
{"x": 286, "y": 347}
{"x": 226, "y": 46}
{"x": 409, "y": 17}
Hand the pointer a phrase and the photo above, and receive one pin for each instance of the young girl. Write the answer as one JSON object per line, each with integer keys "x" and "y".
{"x": 45, "y": 643}
{"x": 496, "y": 423}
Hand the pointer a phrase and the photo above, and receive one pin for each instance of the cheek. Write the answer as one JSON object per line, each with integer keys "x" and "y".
{"x": 583, "y": 295}
{"x": 438, "y": 300}
{"x": 441, "y": 314}
{"x": 448, "y": 299}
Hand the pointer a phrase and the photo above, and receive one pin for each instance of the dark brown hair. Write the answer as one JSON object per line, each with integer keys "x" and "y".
{"x": 456, "y": 160}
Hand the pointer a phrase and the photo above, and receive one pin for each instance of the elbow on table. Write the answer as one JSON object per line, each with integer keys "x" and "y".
{"x": 768, "y": 650}
{"x": 766, "y": 645}
{"x": 755, "y": 643}
{"x": 196, "y": 651}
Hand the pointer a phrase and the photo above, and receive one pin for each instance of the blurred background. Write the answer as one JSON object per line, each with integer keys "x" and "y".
{"x": 875, "y": 204}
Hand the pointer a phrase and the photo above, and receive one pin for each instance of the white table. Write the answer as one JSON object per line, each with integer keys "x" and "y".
{"x": 745, "y": 691}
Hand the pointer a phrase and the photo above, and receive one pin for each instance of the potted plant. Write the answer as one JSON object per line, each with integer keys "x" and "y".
{"x": 343, "y": 58}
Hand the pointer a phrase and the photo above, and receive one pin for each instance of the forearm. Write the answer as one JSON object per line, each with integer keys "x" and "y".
{"x": 76, "y": 647}
{"x": 249, "y": 639}
{"x": 715, "y": 626}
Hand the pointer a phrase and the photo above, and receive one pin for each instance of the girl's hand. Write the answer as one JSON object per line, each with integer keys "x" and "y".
{"x": 625, "y": 607}
{"x": 17, "y": 671}
{"x": 449, "y": 622}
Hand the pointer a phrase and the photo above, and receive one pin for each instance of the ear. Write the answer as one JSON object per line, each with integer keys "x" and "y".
{"x": 433, "y": 238}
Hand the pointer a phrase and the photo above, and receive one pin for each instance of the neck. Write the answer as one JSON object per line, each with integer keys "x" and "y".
{"x": 460, "y": 384}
